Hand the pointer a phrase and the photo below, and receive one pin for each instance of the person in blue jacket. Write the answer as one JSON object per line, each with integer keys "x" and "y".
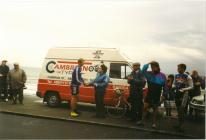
{"x": 100, "y": 84}
{"x": 156, "y": 82}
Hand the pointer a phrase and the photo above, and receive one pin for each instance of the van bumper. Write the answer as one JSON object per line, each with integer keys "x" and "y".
{"x": 38, "y": 93}
{"x": 197, "y": 107}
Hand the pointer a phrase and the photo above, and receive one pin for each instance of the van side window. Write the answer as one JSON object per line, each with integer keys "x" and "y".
{"x": 119, "y": 70}
{"x": 125, "y": 71}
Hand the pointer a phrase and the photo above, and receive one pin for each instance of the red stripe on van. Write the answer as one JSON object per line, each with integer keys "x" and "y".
{"x": 43, "y": 81}
{"x": 53, "y": 82}
{"x": 67, "y": 83}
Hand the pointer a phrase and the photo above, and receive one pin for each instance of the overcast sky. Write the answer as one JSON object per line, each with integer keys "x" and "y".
{"x": 170, "y": 32}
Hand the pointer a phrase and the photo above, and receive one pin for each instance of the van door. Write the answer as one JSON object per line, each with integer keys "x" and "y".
{"x": 118, "y": 73}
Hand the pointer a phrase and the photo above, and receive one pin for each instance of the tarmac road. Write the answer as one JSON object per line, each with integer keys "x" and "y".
{"x": 33, "y": 108}
{"x": 20, "y": 127}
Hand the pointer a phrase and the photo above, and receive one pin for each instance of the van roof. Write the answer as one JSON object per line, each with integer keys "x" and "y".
{"x": 87, "y": 53}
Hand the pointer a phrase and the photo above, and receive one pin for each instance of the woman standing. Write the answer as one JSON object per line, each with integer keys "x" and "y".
{"x": 100, "y": 84}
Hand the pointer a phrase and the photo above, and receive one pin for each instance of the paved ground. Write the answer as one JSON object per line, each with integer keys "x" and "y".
{"x": 21, "y": 127}
{"x": 194, "y": 127}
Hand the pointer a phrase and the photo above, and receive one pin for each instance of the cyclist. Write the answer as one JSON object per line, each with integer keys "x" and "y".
{"x": 183, "y": 83}
{"x": 77, "y": 80}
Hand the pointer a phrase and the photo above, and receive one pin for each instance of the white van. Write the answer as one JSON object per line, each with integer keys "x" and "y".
{"x": 55, "y": 76}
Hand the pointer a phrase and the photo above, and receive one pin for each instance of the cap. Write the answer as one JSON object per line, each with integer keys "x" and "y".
{"x": 136, "y": 64}
{"x": 16, "y": 63}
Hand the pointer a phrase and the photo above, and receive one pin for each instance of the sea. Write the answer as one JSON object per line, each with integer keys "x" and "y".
{"x": 32, "y": 80}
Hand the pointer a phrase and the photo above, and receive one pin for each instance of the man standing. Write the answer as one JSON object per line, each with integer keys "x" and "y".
{"x": 183, "y": 83}
{"x": 156, "y": 81}
{"x": 75, "y": 83}
{"x": 4, "y": 70}
{"x": 196, "y": 91}
{"x": 137, "y": 82}
{"x": 17, "y": 79}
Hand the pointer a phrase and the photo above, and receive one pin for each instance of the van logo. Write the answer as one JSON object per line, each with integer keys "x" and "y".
{"x": 50, "y": 66}
{"x": 98, "y": 54}
{"x": 66, "y": 67}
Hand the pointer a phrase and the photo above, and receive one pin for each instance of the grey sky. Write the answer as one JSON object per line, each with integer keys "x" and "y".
{"x": 169, "y": 31}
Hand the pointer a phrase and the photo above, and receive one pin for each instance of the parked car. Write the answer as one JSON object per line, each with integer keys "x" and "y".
{"x": 198, "y": 103}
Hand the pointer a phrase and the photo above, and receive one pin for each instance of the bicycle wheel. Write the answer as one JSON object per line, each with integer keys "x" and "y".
{"x": 117, "y": 109}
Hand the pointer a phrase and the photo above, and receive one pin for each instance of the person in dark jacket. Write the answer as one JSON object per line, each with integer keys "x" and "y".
{"x": 137, "y": 82}
{"x": 100, "y": 84}
{"x": 197, "y": 85}
{"x": 77, "y": 80}
{"x": 4, "y": 70}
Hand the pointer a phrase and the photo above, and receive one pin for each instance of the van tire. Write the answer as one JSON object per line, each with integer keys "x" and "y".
{"x": 53, "y": 99}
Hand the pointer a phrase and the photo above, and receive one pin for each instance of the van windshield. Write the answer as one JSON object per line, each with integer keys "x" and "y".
{"x": 119, "y": 70}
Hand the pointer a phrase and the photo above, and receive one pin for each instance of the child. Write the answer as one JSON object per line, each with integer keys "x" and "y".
{"x": 169, "y": 97}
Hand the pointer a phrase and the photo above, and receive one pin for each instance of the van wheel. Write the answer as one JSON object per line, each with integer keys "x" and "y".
{"x": 53, "y": 100}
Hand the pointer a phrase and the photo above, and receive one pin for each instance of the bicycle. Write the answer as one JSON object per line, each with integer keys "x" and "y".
{"x": 119, "y": 105}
